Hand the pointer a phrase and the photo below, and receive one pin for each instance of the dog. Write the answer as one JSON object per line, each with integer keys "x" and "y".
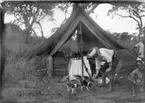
{"x": 75, "y": 81}
{"x": 71, "y": 83}
{"x": 85, "y": 82}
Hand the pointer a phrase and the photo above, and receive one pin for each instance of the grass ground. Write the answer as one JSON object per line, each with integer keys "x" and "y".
{"x": 24, "y": 92}
{"x": 21, "y": 86}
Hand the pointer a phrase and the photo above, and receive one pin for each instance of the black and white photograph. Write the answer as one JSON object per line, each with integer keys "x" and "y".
{"x": 72, "y": 51}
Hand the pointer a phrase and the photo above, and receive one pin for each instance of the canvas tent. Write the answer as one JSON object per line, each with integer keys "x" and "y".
{"x": 92, "y": 33}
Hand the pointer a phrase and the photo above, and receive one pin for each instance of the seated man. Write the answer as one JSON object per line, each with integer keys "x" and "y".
{"x": 136, "y": 77}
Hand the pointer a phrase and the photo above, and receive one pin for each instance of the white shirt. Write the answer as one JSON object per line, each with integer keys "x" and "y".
{"x": 106, "y": 53}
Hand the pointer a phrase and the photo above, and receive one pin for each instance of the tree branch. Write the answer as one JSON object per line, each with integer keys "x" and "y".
{"x": 36, "y": 12}
{"x": 135, "y": 20}
{"x": 121, "y": 15}
{"x": 92, "y": 9}
{"x": 141, "y": 22}
{"x": 18, "y": 19}
{"x": 129, "y": 16}
{"x": 136, "y": 13}
{"x": 40, "y": 28}
{"x": 34, "y": 32}
{"x": 41, "y": 17}
{"x": 65, "y": 13}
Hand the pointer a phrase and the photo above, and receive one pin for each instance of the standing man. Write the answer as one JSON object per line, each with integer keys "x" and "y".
{"x": 126, "y": 60}
{"x": 140, "y": 47}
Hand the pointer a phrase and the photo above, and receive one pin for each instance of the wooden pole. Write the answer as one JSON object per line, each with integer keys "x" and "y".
{"x": 80, "y": 46}
{"x": 50, "y": 66}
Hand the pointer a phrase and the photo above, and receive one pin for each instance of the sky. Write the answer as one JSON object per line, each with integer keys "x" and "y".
{"x": 108, "y": 23}
{"x": 116, "y": 24}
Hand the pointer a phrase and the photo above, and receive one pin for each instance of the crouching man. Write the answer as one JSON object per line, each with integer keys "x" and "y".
{"x": 103, "y": 61}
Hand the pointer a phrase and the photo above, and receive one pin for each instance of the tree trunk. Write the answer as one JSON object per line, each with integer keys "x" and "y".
{"x": 144, "y": 44}
{"x": 28, "y": 29}
{"x": 139, "y": 36}
{"x": 26, "y": 32}
{"x": 140, "y": 33}
{"x": 2, "y": 51}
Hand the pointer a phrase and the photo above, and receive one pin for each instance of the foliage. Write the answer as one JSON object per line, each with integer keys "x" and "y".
{"x": 29, "y": 13}
{"x": 89, "y": 7}
{"x": 16, "y": 68}
{"x": 14, "y": 39}
{"x": 126, "y": 39}
{"x": 64, "y": 7}
{"x": 134, "y": 11}
{"x": 15, "y": 43}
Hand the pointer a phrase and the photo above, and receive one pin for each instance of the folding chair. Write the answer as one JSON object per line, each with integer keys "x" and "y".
{"x": 42, "y": 74}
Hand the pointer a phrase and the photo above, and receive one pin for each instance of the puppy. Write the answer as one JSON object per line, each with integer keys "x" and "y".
{"x": 71, "y": 84}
